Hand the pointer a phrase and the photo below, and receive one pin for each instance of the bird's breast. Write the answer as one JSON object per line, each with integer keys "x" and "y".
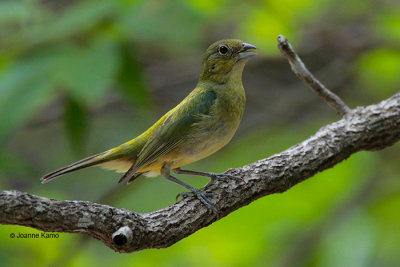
{"x": 213, "y": 131}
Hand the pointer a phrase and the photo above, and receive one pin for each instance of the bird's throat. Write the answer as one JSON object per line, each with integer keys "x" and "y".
{"x": 235, "y": 76}
{"x": 231, "y": 78}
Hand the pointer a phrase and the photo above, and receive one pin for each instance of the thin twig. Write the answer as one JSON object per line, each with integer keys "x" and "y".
{"x": 308, "y": 78}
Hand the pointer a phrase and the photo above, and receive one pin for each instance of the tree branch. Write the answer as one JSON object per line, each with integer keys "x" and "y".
{"x": 372, "y": 127}
{"x": 306, "y": 76}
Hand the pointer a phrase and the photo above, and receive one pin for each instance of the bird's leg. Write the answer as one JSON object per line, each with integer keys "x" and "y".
{"x": 213, "y": 176}
{"x": 165, "y": 172}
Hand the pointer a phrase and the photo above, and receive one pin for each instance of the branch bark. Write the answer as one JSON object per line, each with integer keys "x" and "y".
{"x": 371, "y": 127}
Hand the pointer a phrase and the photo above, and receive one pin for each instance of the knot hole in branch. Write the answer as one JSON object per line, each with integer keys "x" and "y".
{"x": 122, "y": 236}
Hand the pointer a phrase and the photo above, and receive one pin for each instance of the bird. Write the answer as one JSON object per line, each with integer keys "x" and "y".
{"x": 204, "y": 122}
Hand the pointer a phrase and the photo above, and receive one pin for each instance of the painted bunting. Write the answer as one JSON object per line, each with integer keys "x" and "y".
{"x": 200, "y": 125}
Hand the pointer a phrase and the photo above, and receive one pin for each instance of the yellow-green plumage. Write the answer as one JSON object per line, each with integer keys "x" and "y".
{"x": 200, "y": 125}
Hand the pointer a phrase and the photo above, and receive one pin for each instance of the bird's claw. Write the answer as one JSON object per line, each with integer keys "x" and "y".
{"x": 201, "y": 196}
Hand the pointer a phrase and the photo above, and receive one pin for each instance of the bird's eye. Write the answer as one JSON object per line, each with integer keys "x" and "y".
{"x": 223, "y": 50}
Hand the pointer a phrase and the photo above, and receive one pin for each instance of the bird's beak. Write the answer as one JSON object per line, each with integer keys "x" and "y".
{"x": 247, "y": 50}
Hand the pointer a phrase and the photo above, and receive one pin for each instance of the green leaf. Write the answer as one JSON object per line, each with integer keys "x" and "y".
{"x": 86, "y": 71}
{"x": 76, "y": 19}
{"x": 169, "y": 24}
{"x": 77, "y": 125}
{"x": 24, "y": 88}
{"x": 130, "y": 80}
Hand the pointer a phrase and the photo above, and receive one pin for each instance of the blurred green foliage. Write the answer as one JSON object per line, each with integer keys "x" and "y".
{"x": 78, "y": 77}
{"x": 380, "y": 69}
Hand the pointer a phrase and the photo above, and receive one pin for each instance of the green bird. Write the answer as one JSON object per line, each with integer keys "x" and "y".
{"x": 200, "y": 125}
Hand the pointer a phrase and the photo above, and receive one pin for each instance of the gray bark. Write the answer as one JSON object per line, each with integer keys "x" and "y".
{"x": 309, "y": 79}
{"x": 371, "y": 128}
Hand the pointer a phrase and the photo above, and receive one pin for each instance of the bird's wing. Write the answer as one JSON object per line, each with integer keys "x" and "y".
{"x": 176, "y": 126}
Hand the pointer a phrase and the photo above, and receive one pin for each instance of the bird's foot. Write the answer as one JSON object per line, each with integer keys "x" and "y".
{"x": 201, "y": 196}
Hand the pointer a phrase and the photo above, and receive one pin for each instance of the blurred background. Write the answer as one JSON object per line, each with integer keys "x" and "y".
{"x": 78, "y": 77}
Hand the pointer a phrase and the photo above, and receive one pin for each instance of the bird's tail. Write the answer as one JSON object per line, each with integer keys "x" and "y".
{"x": 83, "y": 163}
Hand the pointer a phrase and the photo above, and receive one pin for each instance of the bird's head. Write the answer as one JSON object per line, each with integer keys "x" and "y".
{"x": 224, "y": 59}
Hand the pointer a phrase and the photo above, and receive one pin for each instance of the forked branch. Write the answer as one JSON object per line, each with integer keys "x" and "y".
{"x": 371, "y": 127}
